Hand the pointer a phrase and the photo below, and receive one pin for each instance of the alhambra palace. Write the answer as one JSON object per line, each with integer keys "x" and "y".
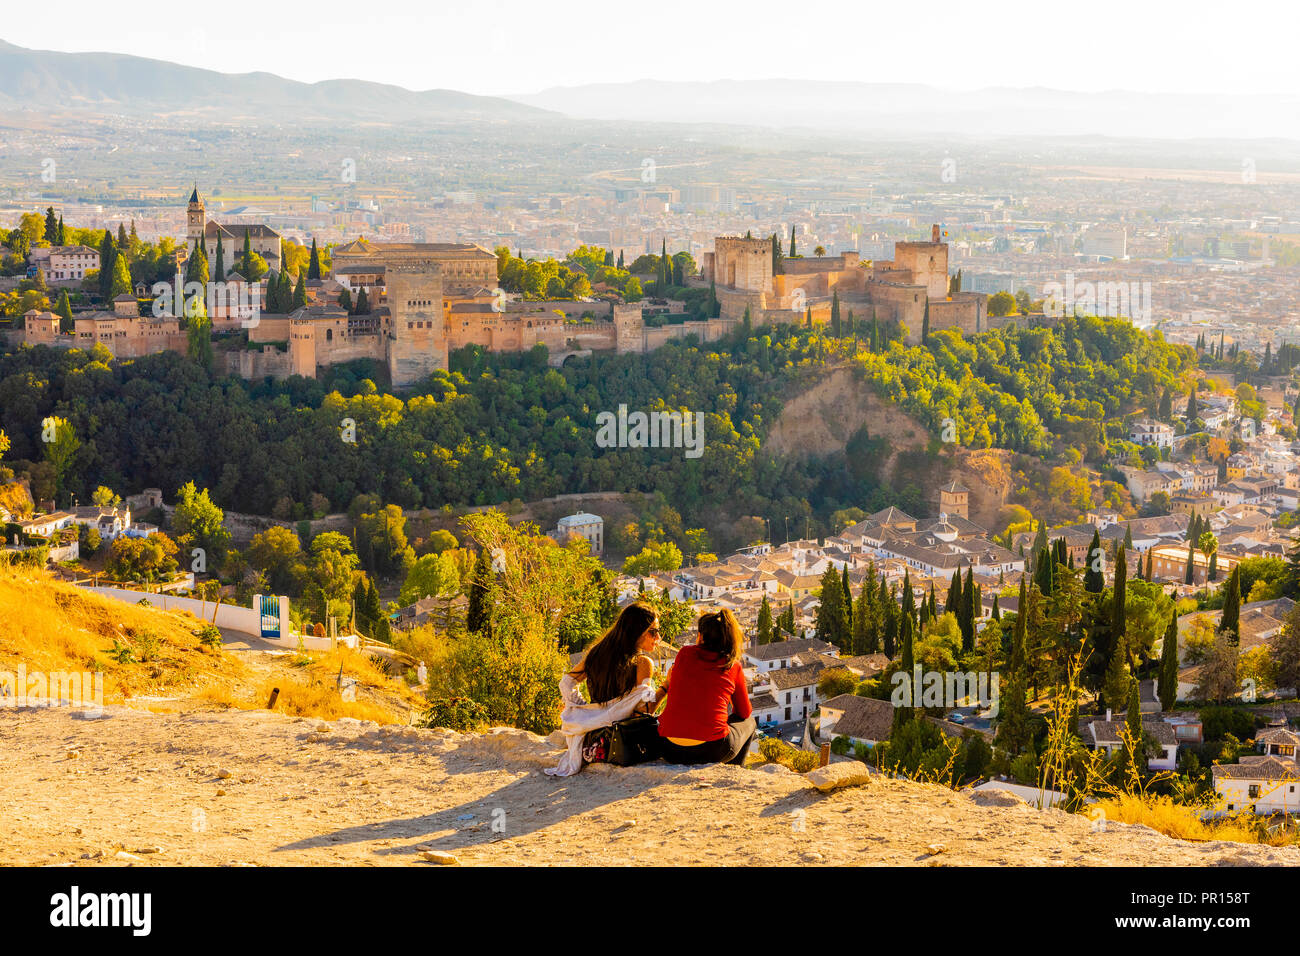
{"x": 428, "y": 299}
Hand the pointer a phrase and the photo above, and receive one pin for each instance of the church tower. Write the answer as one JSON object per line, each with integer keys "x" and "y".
{"x": 195, "y": 221}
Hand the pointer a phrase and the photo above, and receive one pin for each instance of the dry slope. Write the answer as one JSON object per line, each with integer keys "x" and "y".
{"x": 261, "y": 788}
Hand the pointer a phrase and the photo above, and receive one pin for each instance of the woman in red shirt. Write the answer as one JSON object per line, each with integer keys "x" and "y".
{"x": 707, "y": 716}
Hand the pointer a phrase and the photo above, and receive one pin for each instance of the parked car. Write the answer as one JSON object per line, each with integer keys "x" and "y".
{"x": 956, "y": 718}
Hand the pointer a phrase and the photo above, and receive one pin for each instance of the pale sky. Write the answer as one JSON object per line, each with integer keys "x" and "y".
{"x": 501, "y": 47}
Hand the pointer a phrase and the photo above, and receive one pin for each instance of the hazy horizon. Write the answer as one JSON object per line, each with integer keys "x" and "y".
{"x": 507, "y": 48}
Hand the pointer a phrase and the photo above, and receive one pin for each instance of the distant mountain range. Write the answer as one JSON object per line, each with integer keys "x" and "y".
{"x": 116, "y": 83}
{"x": 133, "y": 85}
{"x": 915, "y": 109}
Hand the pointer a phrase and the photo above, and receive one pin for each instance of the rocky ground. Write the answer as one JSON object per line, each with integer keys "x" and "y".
{"x": 253, "y": 787}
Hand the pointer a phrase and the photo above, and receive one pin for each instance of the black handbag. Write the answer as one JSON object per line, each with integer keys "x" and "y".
{"x": 634, "y": 740}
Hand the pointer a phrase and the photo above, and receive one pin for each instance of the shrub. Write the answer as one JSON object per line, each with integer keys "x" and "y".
{"x": 840, "y": 745}
{"x": 1024, "y": 769}
{"x": 454, "y": 713}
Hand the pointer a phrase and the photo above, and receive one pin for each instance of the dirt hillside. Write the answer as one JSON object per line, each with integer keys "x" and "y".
{"x": 253, "y": 787}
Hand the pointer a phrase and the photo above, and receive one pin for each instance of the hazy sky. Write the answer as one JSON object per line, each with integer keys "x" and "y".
{"x": 511, "y": 46}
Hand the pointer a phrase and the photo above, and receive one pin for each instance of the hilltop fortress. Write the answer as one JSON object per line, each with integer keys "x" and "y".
{"x": 898, "y": 289}
{"x": 427, "y": 299}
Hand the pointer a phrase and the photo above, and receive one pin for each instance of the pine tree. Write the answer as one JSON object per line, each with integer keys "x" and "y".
{"x": 1168, "y": 684}
{"x": 765, "y": 621}
{"x": 313, "y": 267}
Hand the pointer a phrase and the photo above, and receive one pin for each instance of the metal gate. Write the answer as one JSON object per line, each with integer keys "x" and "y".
{"x": 269, "y": 613}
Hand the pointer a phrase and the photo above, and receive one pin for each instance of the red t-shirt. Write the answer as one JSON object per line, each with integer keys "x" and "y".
{"x": 698, "y": 694}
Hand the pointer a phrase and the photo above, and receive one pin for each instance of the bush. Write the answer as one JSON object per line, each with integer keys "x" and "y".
{"x": 210, "y": 636}
{"x": 1024, "y": 769}
{"x": 454, "y": 713}
{"x": 1220, "y": 722}
{"x": 840, "y": 745}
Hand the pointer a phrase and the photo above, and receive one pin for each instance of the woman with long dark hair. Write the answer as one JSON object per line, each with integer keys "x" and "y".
{"x": 619, "y": 675}
{"x": 620, "y": 658}
{"x": 708, "y": 715}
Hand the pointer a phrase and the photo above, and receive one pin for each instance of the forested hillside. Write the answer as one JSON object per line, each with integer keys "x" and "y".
{"x": 501, "y": 427}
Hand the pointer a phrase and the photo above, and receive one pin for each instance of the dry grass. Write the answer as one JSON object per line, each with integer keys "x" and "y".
{"x": 1184, "y": 823}
{"x": 323, "y": 700}
{"x": 50, "y": 626}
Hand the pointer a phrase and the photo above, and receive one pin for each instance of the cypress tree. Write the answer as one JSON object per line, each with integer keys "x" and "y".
{"x": 835, "y": 315}
{"x": 792, "y": 249}
{"x": 121, "y": 233}
{"x": 1119, "y": 620}
{"x": 925, "y": 324}
{"x": 765, "y": 621}
{"x": 954, "y": 593}
{"x": 313, "y": 267}
{"x": 64, "y": 311}
{"x": 891, "y": 615}
{"x": 246, "y": 260}
{"x": 907, "y": 660}
{"x": 1189, "y": 577}
{"x": 1133, "y": 722}
{"x": 106, "y": 255}
{"x": 52, "y": 228}
{"x": 1168, "y": 685}
{"x": 1231, "y": 619}
{"x": 997, "y": 613}
{"x": 1094, "y": 579}
{"x": 345, "y": 300}
{"x": 848, "y": 603}
{"x": 220, "y": 269}
{"x": 478, "y": 616}
{"x": 830, "y": 610}
{"x": 300, "y": 293}
{"x": 966, "y": 618}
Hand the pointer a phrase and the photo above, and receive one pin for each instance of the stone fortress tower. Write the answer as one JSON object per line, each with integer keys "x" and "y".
{"x": 417, "y": 329}
{"x": 900, "y": 289}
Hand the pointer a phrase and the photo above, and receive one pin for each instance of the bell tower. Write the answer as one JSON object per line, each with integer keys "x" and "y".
{"x": 195, "y": 220}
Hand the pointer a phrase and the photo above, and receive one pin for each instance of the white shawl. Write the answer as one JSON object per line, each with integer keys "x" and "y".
{"x": 578, "y": 717}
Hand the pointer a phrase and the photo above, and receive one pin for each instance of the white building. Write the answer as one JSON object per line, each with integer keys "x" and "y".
{"x": 584, "y": 525}
{"x": 1261, "y": 783}
{"x": 71, "y": 263}
{"x": 1148, "y": 432}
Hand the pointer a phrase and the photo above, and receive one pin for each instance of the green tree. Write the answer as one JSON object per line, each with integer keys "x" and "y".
{"x": 765, "y": 621}
{"x": 1229, "y": 622}
{"x": 1168, "y": 681}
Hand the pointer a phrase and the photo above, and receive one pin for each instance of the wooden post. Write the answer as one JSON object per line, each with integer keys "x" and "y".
{"x": 825, "y": 756}
{"x": 275, "y": 693}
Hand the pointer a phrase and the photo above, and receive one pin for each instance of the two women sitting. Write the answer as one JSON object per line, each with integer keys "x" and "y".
{"x": 707, "y": 716}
